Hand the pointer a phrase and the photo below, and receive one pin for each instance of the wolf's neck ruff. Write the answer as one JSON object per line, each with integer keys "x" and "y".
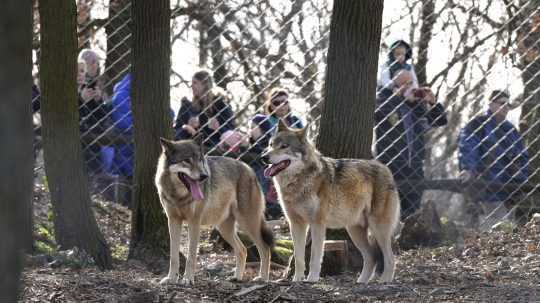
{"x": 193, "y": 186}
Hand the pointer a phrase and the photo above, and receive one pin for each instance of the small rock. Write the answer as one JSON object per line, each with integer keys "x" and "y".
{"x": 504, "y": 226}
{"x": 535, "y": 219}
{"x": 215, "y": 268}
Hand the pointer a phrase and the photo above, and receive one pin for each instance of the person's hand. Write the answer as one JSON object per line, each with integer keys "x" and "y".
{"x": 213, "y": 124}
{"x": 430, "y": 97}
{"x": 255, "y": 133}
{"x": 194, "y": 122}
{"x": 98, "y": 93}
{"x": 88, "y": 94}
{"x": 192, "y": 131}
{"x": 466, "y": 175}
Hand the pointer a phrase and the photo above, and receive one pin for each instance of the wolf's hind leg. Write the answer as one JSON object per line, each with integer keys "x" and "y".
{"x": 262, "y": 236}
{"x": 175, "y": 229}
{"x": 359, "y": 236}
{"x": 383, "y": 235}
{"x": 228, "y": 232}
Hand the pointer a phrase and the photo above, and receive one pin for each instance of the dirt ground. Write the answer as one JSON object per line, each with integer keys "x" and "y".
{"x": 502, "y": 266}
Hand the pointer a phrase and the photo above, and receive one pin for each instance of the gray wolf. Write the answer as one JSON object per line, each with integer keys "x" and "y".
{"x": 215, "y": 191}
{"x": 321, "y": 192}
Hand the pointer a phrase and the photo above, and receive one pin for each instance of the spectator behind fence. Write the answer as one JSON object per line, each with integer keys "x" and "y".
{"x": 402, "y": 117}
{"x": 491, "y": 149}
{"x": 262, "y": 128}
{"x": 92, "y": 116}
{"x": 400, "y": 53}
{"x": 208, "y": 114}
{"x": 93, "y": 78}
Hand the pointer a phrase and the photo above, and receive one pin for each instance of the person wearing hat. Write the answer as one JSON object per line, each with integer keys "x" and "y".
{"x": 403, "y": 116}
{"x": 208, "y": 114}
{"x": 400, "y": 53}
{"x": 492, "y": 149}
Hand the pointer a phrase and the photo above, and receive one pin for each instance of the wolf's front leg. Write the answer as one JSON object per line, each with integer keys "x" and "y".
{"x": 175, "y": 229}
{"x": 191, "y": 262}
{"x": 298, "y": 234}
{"x": 318, "y": 234}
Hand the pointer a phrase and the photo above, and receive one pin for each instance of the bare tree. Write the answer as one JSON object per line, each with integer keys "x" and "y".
{"x": 151, "y": 117}
{"x": 16, "y": 141}
{"x": 74, "y": 222}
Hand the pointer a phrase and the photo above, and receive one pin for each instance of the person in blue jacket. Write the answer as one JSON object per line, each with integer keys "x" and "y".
{"x": 208, "y": 113}
{"x": 492, "y": 149}
{"x": 403, "y": 115}
{"x": 262, "y": 128}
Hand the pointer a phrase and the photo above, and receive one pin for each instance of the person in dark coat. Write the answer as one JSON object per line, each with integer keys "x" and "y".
{"x": 402, "y": 117}
{"x": 208, "y": 114}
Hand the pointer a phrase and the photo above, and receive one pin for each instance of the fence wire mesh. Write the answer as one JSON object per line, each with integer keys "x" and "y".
{"x": 438, "y": 126}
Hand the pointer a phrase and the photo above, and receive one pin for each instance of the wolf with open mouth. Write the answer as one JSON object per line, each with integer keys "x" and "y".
{"x": 320, "y": 192}
{"x": 216, "y": 191}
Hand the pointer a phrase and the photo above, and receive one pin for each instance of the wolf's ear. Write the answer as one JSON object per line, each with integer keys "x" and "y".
{"x": 304, "y": 132}
{"x": 282, "y": 126}
{"x": 166, "y": 145}
{"x": 199, "y": 140}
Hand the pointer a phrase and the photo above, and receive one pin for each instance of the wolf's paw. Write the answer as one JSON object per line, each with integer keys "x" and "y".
{"x": 187, "y": 281}
{"x": 298, "y": 278}
{"x": 169, "y": 280}
{"x": 260, "y": 279}
{"x": 234, "y": 279}
{"x": 312, "y": 278}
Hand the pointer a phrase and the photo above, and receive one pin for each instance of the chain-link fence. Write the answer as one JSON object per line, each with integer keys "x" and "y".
{"x": 438, "y": 126}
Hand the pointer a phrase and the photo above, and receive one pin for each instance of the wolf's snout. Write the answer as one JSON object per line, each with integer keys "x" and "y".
{"x": 265, "y": 159}
{"x": 203, "y": 177}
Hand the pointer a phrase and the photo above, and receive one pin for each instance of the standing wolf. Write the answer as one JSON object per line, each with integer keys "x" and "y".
{"x": 210, "y": 191}
{"x": 359, "y": 195}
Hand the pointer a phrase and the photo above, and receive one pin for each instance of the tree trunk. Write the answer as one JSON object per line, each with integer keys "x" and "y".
{"x": 347, "y": 113}
{"x": 346, "y": 124}
{"x": 118, "y": 32}
{"x": 426, "y": 32}
{"x": 16, "y": 156}
{"x": 74, "y": 222}
{"x": 151, "y": 120}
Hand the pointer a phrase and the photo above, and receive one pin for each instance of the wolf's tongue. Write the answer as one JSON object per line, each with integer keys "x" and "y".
{"x": 195, "y": 189}
{"x": 270, "y": 171}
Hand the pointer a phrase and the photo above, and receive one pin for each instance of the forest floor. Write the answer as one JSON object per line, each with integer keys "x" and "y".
{"x": 497, "y": 266}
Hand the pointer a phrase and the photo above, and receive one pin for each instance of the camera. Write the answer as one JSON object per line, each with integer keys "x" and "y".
{"x": 419, "y": 93}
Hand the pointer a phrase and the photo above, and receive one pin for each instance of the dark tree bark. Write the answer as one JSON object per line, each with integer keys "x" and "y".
{"x": 151, "y": 116}
{"x": 347, "y": 116}
{"x": 346, "y": 124}
{"x": 74, "y": 222}
{"x": 118, "y": 32}
{"x": 426, "y": 32}
{"x": 16, "y": 156}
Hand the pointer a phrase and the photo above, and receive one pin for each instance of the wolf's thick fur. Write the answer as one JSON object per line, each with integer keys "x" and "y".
{"x": 321, "y": 192}
{"x": 230, "y": 194}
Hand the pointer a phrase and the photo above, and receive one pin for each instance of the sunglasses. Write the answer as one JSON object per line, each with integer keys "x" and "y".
{"x": 278, "y": 102}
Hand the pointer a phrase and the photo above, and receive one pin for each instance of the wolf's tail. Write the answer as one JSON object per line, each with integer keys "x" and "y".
{"x": 267, "y": 234}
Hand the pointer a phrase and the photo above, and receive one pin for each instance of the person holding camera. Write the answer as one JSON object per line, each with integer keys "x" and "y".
{"x": 491, "y": 149}
{"x": 403, "y": 115}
